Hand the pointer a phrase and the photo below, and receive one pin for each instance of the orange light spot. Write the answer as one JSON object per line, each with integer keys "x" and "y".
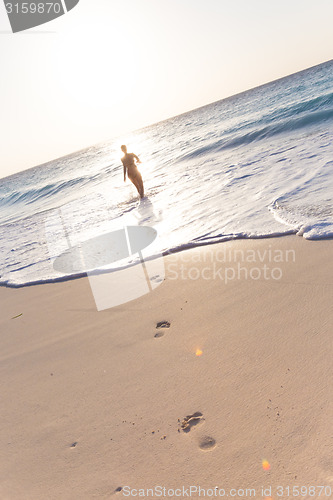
{"x": 198, "y": 352}
{"x": 265, "y": 465}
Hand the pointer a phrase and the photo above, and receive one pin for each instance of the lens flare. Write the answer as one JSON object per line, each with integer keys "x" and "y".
{"x": 266, "y": 465}
{"x": 198, "y": 352}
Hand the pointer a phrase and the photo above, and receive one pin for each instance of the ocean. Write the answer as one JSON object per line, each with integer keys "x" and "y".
{"x": 258, "y": 164}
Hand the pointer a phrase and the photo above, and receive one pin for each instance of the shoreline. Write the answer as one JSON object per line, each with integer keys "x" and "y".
{"x": 166, "y": 253}
{"x": 93, "y": 401}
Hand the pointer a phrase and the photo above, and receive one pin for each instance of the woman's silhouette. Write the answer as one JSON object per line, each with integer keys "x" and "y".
{"x": 128, "y": 161}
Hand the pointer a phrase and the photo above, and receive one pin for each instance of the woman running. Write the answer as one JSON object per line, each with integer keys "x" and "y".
{"x": 128, "y": 161}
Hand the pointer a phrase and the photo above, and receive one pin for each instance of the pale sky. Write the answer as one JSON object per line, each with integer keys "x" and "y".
{"x": 112, "y": 66}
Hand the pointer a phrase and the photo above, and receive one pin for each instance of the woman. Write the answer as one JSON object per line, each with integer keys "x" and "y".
{"x": 128, "y": 161}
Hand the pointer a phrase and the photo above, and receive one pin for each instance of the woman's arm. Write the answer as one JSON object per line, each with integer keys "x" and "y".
{"x": 124, "y": 173}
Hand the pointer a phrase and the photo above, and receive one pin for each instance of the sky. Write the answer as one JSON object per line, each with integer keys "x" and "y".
{"x": 109, "y": 67}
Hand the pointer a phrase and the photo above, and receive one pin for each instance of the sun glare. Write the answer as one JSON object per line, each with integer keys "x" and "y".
{"x": 102, "y": 70}
{"x": 266, "y": 465}
{"x": 111, "y": 78}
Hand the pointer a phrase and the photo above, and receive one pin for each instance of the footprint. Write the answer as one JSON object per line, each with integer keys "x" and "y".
{"x": 207, "y": 443}
{"x": 163, "y": 324}
{"x": 191, "y": 420}
{"x": 160, "y": 325}
{"x": 156, "y": 279}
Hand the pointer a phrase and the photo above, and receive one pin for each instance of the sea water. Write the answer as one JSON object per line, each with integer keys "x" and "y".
{"x": 257, "y": 164}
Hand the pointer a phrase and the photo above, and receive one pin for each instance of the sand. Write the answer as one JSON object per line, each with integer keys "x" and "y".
{"x": 92, "y": 402}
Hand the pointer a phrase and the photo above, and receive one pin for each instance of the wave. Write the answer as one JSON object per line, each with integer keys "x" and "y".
{"x": 311, "y": 221}
{"x": 195, "y": 243}
{"x": 283, "y": 126}
{"x": 49, "y": 190}
{"x": 323, "y": 101}
{"x": 293, "y": 110}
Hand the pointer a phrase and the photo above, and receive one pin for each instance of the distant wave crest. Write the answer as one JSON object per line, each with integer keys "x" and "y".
{"x": 29, "y": 196}
{"x": 278, "y": 121}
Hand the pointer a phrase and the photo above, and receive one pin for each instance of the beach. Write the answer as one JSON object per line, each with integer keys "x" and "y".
{"x": 232, "y": 392}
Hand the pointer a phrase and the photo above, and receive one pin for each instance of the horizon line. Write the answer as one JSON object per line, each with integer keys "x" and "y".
{"x": 67, "y": 155}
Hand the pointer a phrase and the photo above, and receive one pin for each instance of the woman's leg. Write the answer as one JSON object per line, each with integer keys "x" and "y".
{"x": 134, "y": 182}
{"x": 139, "y": 185}
{"x": 137, "y": 181}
